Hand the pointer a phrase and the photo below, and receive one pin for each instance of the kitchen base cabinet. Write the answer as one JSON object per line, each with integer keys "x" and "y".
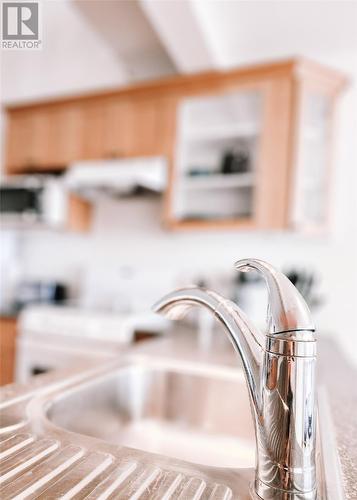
{"x": 8, "y": 330}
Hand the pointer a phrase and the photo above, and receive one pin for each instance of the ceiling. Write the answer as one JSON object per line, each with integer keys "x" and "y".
{"x": 124, "y": 26}
{"x": 195, "y": 35}
{"x": 96, "y": 44}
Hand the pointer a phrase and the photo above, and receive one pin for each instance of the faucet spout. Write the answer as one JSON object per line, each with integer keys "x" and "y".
{"x": 245, "y": 338}
{"x": 280, "y": 372}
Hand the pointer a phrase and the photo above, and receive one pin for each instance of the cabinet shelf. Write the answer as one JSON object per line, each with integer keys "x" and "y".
{"x": 216, "y": 133}
{"x": 218, "y": 181}
{"x": 229, "y": 223}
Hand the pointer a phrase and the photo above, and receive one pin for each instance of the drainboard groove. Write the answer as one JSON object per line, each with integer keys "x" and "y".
{"x": 88, "y": 489}
{"x": 193, "y": 490}
{"x": 110, "y": 485}
{"x": 84, "y": 473}
{"x": 15, "y": 443}
{"x": 14, "y": 466}
{"x": 221, "y": 492}
{"x": 5, "y": 430}
{"x": 140, "y": 485}
{"x": 30, "y": 484}
{"x": 168, "y": 486}
{"x": 148, "y": 491}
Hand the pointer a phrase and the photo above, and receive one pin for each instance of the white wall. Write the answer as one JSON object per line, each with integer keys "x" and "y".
{"x": 128, "y": 233}
{"x": 241, "y": 32}
{"x": 74, "y": 59}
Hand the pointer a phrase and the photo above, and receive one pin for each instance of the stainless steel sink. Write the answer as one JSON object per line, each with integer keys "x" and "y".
{"x": 197, "y": 415}
{"x": 189, "y": 415}
{"x": 144, "y": 427}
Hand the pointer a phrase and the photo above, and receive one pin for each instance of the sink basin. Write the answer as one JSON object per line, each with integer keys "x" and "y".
{"x": 197, "y": 415}
{"x": 189, "y": 418}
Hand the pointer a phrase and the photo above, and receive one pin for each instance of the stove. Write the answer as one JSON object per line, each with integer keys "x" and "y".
{"x": 56, "y": 337}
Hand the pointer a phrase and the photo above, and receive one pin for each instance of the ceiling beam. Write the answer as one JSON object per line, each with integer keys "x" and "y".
{"x": 183, "y": 32}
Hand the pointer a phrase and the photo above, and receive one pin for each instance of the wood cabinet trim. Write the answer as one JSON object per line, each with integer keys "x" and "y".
{"x": 172, "y": 84}
{"x": 222, "y": 224}
{"x": 8, "y": 332}
{"x": 183, "y": 83}
{"x": 79, "y": 216}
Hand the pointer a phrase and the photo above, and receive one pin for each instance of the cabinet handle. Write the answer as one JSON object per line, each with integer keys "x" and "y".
{"x": 111, "y": 155}
{"x": 30, "y": 163}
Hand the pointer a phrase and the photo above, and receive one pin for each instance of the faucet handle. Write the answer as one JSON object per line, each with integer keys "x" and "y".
{"x": 287, "y": 310}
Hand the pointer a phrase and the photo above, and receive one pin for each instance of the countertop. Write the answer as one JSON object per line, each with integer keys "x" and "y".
{"x": 339, "y": 378}
{"x": 334, "y": 374}
{"x": 9, "y": 314}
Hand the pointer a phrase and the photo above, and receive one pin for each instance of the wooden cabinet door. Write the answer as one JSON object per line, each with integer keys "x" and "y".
{"x": 46, "y": 138}
{"x": 132, "y": 128}
{"x": 51, "y": 137}
{"x": 18, "y": 131}
{"x": 117, "y": 133}
{"x": 92, "y": 130}
{"x": 8, "y": 327}
{"x": 143, "y": 123}
{"x": 27, "y": 139}
{"x": 64, "y": 135}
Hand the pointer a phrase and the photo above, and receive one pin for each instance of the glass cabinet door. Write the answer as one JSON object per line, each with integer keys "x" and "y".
{"x": 311, "y": 179}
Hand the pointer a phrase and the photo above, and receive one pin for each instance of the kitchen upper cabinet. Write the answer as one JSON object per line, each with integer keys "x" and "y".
{"x": 255, "y": 152}
{"x": 98, "y": 128}
{"x": 248, "y": 148}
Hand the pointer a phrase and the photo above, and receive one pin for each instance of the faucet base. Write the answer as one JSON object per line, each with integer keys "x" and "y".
{"x": 265, "y": 492}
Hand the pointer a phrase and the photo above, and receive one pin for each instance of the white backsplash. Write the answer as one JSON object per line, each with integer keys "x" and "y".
{"x": 129, "y": 259}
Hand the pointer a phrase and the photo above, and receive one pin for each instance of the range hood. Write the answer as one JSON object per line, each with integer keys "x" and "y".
{"x": 119, "y": 177}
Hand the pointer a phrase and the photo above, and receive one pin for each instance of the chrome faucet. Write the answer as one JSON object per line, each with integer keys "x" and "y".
{"x": 280, "y": 372}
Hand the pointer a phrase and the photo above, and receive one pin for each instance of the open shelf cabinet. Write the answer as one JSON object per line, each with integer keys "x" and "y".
{"x": 253, "y": 150}
{"x": 218, "y": 140}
